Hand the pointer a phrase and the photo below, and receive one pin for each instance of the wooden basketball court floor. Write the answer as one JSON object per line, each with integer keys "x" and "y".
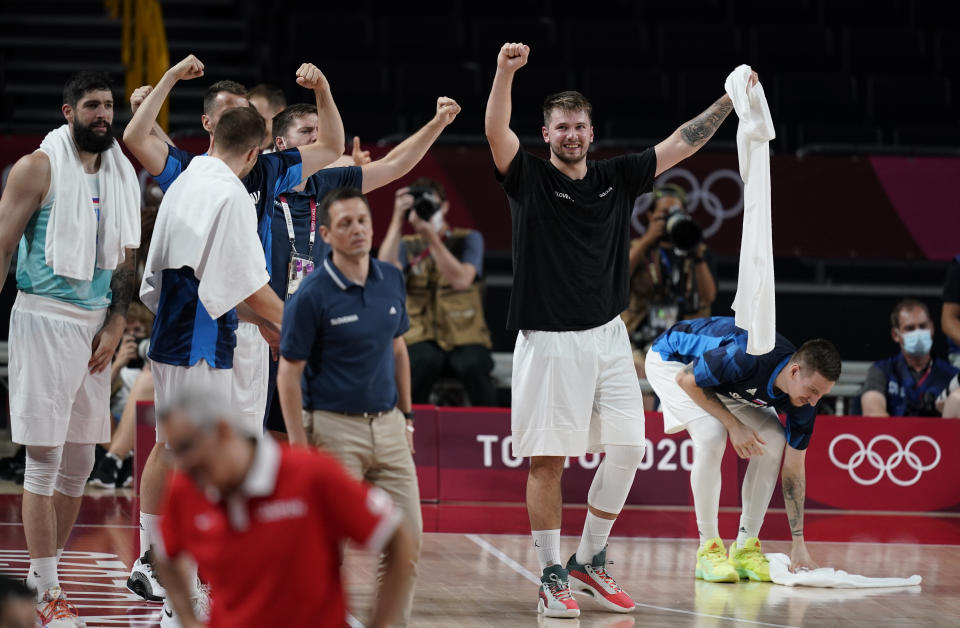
{"x": 489, "y": 580}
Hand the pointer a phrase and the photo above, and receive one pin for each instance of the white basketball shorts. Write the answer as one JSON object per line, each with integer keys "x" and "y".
{"x": 54, "y": 398}
{"x": 170, "y": 380}
{"x": 250, "y": 371}
{"x": 679, "y": 409}
{"x": 575, "y": 392}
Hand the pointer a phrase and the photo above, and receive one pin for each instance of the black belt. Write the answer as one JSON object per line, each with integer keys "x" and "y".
{"x": 367, "y": 415}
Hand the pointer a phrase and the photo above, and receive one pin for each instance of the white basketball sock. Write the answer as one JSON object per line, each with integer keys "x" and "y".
{"x": 547, "y": 545}
{"x": 43, "y": 574}
{"x": 149, "y": 530}
{"x": 596, "y": 531}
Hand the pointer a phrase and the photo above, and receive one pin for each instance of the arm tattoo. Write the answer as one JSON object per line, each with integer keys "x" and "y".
{"x": 794, "y": 488}
{"x": 123, "y": 285}
{"x": 711, "y": 395}
{"x": 696, "y": 132}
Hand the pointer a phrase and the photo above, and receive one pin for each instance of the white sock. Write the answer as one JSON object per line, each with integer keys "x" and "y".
{"x": 43, "y": 574}
{"x": 596, "y": 530}
{"x": 748, "y": 530}
{"x": 149, "y": 530}
{"x": 547, "y": 545}
{"x": 59, "y": 555}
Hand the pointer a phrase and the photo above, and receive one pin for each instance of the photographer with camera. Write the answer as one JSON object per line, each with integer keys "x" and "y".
{"x": 443, "y": 267}
{"x": 913, "y": 382}
{"x": 672, "y": 273}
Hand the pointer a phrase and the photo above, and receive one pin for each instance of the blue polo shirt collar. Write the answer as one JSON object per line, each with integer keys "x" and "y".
{"x": 374, "y": 273}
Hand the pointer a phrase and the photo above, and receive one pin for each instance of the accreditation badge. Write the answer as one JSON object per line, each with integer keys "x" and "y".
{"x": 297, "y": 270}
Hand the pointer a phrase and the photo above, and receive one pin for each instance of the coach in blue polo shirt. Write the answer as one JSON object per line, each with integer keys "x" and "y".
{"x": 343, "y": 337}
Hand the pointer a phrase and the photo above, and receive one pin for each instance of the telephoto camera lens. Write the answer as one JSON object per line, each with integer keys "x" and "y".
{"x": 684, "y": 233}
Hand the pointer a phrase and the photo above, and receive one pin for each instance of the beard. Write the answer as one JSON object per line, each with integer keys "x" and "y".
{"x": 558, "y": 152}
{"x": 90, "y": 141}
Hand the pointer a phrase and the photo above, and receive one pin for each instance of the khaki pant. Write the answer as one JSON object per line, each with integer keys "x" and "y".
{"x": 374, "y": 450}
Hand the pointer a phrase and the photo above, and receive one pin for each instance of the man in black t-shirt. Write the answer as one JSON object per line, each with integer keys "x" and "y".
{"x": 574, "y": 385}
{"x": 950, "y": 317}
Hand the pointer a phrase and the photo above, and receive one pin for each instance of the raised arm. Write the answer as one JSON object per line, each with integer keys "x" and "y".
{"x": 504, "y": 143}
{"x": 136, "y": 99}
{"x": 149, "y": 149}
{"x": 26, "y": 186}
{"x": 410, "y": 151}
{"x": 390, "y": 247}
{"x": 794, "y": 484}
{"x": 330, "y": 136}
{"x": 691, "y": 135}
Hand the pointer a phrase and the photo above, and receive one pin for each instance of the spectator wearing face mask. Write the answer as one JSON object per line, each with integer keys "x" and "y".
{"x": 914, "y": 382}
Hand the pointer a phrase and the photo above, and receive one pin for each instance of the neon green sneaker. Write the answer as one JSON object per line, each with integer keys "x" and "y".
{"x": 750, "y": 561}
{"x": 712, "y": 563}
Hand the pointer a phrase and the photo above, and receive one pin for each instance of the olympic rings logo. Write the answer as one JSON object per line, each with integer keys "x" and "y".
{"x": 697, "y": 195}
{"x": 875, "y": 460}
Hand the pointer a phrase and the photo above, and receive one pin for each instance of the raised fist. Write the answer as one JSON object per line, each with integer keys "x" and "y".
{"x": 512, "y": 57}
{"x": 447, "y": 109}
{"x": 138, "y": 96}
{"x": 310, "y": 77}
{"x": 189, "y": 68}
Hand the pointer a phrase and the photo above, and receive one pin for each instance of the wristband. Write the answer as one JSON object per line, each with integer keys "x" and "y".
{"x": 409, "y": 415}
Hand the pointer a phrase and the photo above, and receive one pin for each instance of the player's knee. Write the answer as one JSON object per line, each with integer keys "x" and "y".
{"x": 544, "y": 467}
{"x": 625, "y": 457}
{"x": 40, "y": 472}
{"x": 75, "y": 466}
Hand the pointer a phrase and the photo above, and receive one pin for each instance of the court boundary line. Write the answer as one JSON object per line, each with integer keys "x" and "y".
{"x": 526, "y": 573}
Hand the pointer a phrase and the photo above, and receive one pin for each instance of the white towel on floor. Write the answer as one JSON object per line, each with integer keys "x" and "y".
{"x": 826, "y": 577}
{"x": 76, "y": 240}
{"x": 754, "y": 302}
{"x": 207, "y": 222}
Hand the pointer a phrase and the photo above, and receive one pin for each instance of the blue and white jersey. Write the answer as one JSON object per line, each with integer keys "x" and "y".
{"x": 273, "y": 174}
{"x": 34, "y": 276}
{"x": 717, "y": 348}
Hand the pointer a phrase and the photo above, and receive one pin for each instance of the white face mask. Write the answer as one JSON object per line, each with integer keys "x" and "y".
{"x": 436, "y": 221}
{"x": 917, "y": 342}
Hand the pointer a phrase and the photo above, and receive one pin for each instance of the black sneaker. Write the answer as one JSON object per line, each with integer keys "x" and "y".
{"x": 105, "y": 473}
{"x": 125, "y": 475}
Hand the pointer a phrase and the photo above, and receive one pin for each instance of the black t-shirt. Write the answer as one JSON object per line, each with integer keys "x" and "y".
{"x": 951, "y": 287}
{"x": 571, "y": 239}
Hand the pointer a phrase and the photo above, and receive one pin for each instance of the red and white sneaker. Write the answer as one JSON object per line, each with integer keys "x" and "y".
{"x": 555, "y": 599}
{"x": 53, "y": 611}
{"x": 593, "y": 580}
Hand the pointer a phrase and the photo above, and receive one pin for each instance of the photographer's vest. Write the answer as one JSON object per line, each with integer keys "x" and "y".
{"x": 659, "y": 281}
{"x": 437, "y": 312}
{"x": 910, "y": 396}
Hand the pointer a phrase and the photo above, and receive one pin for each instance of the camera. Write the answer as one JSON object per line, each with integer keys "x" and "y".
{"x": 683, "y": 232}
{"x": 143, "y": 346}
{"x": 426, "y": 201}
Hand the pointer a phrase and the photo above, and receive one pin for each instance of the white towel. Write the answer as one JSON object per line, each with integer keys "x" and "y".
{"x": 826, "y": 577}
{"x": 207, "y": 222}
{"x": 754, "y": 302}
{"x": 76, "y": 240}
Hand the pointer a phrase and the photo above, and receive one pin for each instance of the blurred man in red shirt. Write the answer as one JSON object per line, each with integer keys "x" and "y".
{"x": 265, "y": 525}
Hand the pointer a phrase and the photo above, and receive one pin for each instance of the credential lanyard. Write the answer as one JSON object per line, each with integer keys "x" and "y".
{"x": 288, "y": 218}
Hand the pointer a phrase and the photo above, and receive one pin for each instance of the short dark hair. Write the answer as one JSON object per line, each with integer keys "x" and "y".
{"x": 272, "y": 94}
{"x": 239, "y": 130}
{"x": 906, "y": 304}
{"x": 821, "y": 356}
{"x": 231, "y": 87}
{"x": 284, "y": 120}
{"x": 671, "y": 189}
{"x": 568, "y": 101}
{"x": 334, "y": 195}
{"x": 83, "y": 82}
{"x": 436, "y": 186}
